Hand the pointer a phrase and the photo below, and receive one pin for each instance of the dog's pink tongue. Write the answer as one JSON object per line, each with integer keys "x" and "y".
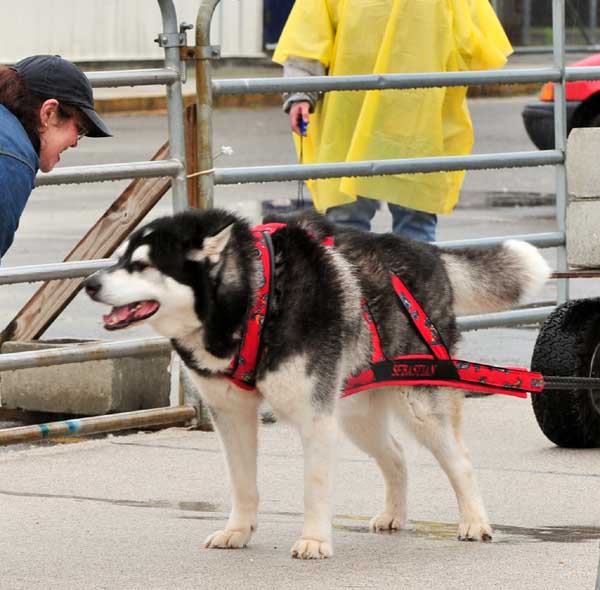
{"x": 145, "y": 308}
{"x": 117, "y": 314}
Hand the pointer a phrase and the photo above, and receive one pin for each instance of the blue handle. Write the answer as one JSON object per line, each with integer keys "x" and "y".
{"x": 303, "y": 126}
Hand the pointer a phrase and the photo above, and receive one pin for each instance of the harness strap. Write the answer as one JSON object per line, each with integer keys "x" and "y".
{"x": 437, "y": 369}
{"x": 420, "y": 321}
{"x": 377, "y": 352}
{"x": 242, "y": 369}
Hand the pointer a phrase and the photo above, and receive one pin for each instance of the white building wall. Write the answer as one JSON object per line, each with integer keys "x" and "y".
{"x": 105, "y": 30}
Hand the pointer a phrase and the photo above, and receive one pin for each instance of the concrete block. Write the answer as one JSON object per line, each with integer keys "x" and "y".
{"x": 583, "y": 233}
{"x": 583, "y": 171}
{"x": 88, "y": 388}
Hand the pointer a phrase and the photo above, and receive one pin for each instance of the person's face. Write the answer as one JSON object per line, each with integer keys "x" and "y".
{"x": 57, "y": 133}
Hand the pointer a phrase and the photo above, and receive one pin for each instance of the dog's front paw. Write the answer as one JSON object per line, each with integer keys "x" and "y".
{"x": 228, "y": 539}
{"x": 474, "y": 531}
{"x": 386, "y": 521}
{"x": 311, "y": 549}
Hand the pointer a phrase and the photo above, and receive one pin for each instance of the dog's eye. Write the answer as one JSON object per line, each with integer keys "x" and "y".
{"x": 138, "y": 266}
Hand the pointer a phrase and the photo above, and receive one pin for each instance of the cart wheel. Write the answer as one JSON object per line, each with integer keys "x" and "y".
{"x": 569, "y": 345}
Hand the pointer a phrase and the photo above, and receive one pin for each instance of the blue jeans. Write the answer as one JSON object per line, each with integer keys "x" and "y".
{"x": 410, "y": 223}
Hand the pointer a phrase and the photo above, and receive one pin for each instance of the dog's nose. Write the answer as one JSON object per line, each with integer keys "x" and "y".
{"x": 92, "y": 286}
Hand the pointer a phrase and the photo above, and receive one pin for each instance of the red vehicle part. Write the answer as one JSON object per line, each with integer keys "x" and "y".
{"x": 579, "y": 90}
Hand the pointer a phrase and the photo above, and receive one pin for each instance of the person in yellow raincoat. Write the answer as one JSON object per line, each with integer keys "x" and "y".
{"x": 347, "y": 37}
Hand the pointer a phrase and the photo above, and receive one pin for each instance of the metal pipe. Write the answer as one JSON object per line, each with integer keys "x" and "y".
{"x": 532, "y": 49}
{"x": 583, "y": 73}
{"x": 102, "y": 172}
{"x": 593, "y": 19}
{"x": 516, "y": 317}
{"x": 98, "y": 424}
{"x": 381, "y": 167}
{"x": 175, "y": 113}
{"x": 147, "y": 77}
{"x": 47, "y": 272}
{"x": 204, "y": 101}
{"x": 94, "y": 351}
{"x": 544, "y": 240}
{"x": 384, "y": 81}
{"x": 560, "y": 140}
{"x": 526, "y": 24}
{"x": 598, "y": 574}
{"x": 399, "y": 81}
{"x": 71, "y": 270}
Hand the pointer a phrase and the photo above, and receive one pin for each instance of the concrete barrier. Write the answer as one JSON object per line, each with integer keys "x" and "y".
{"x": 89, "y": 388}
{"x": 583, "y": 208}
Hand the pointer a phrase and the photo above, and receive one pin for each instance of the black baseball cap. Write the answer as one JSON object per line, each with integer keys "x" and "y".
{"x": 51, "y": 76}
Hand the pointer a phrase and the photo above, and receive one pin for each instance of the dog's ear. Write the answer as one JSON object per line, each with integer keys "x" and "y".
{"x": 212, "y": 247}
{"x": 122, "y": 248}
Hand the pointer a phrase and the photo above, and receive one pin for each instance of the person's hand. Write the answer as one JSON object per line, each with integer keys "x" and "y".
{"x": 299, "y": 111}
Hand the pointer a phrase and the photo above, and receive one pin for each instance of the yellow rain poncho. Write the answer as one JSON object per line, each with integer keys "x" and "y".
{"x": 392, "y": 36}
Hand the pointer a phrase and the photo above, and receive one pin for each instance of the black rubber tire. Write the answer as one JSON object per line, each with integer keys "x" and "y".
{"x": 568, "y": 341}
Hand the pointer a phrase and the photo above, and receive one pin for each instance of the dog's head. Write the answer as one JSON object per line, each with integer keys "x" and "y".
{"x": 171, "y": 273}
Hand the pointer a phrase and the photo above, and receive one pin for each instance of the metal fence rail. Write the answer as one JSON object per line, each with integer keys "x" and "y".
{"x": 70, "y": 270}
{"x": 145, "y": 77}
{"x": 80, "y": 353}
{"x": 401, "y": 81}
{"x": 171, "y": 40}
{"x": 380, "y": 167}
{"x": 103, "y": 172}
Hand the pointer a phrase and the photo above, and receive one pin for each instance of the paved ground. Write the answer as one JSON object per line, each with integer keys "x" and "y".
{"x": 132, "y": 512}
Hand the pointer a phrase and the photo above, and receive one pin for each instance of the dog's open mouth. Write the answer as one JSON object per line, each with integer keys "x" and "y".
{"x": 125, "y": 315}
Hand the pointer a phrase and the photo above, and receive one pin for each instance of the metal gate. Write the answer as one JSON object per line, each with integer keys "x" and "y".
{"x": 172, "y": 39}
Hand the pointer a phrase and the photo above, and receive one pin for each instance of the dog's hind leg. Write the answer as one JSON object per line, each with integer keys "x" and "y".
{"x": 236, "y": 422}
{"x": 366, "y": 421}
{"x": 435, "y": 418}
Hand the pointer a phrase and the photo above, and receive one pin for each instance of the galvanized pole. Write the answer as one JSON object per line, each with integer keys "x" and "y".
{"x": 204, "y": 53}
{"x": 171, "y": 39}
{"x": 560, "y": 135}
{"x": 593, "y": 20}
{"x": 525, "y": 27}
{"x": 97, "y": 424}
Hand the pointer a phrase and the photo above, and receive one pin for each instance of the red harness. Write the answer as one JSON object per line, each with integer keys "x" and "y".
{"x": 436, "y": 369}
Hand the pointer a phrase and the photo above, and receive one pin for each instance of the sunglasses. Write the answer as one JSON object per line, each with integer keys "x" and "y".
{"x": 69, "y": 112}
{"x": 82, "y": 130}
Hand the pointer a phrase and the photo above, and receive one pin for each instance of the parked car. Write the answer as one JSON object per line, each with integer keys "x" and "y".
{"x": 583, "y": 107}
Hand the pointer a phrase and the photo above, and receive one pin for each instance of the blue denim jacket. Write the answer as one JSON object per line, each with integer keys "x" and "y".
{"x": 18, "y": 166}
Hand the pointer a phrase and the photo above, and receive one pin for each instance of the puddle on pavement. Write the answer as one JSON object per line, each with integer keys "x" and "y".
{"x": 438, "y": 531}
{"x": 195, "y": 506}
{"x": 200, "y": 506}
{"x": 441, "y": 531}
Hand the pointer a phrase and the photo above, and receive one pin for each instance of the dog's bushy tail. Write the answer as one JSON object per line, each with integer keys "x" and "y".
{"x": 487, "y": 280}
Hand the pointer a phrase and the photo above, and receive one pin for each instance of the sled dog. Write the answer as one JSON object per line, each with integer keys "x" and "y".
{"x": 198, "y": 279}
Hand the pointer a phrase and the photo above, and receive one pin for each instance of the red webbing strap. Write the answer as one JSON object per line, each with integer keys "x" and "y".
{"x": 242, "y": 369}
{"x": 419, "y": 318}
{"x": 439, "y": 369}
{"x": 510, "y": 380}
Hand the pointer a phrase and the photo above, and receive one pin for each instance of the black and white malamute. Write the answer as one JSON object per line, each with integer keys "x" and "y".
{"x": 199, "y": 279}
